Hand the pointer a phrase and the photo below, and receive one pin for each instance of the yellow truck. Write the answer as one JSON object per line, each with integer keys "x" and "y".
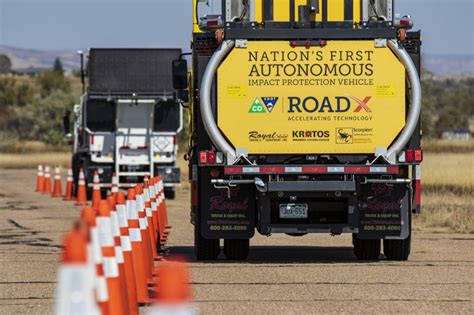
{"x": 305, "y": 118}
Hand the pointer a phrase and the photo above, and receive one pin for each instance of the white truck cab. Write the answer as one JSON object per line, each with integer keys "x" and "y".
{"x": 129, "y": 118}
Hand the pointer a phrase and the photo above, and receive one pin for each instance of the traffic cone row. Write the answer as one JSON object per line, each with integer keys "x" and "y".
{"x": 44, "y": 185}
{"x": 124, "y": 240}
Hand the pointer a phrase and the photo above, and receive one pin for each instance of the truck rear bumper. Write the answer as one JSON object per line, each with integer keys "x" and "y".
{"x": 171, "y": 175}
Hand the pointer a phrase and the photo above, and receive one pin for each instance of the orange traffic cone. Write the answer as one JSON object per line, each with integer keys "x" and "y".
{"x": 154, "y": 213}
{"x": 138, "y": 248}
{"x": 149, "y": 218}
{"x": 144, "y": 230}
{"x": 102, "y": 295}
{"x": 69, "y": 183}
{"x": 127, "y": 252}
{"x": 118, "y": 303}
{"x": 114, "y": 189}
{"x": 96, "y": 195}
{"x": 40, "y": 179}
{"x": 75, "y": 278}
{"x": 57, "y": 190}
{"x": 173, "y": 291}
{"x": 47, "y": 181}
{"x": 81, "y": 194}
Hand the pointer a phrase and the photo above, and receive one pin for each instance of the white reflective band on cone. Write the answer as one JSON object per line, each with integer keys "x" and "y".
{"x": 81, "y": 182}
{"x": 139, "y": 205}
{"x": 110, "y": 267}
{"x": 126, "y": 244}
{"x": 146, "y": 194}
{"x": 152, "y": 191}
{"x": 95, "y": 246}
{"x": 102, "y": 293}
{"x": 143, "y": 223}
{"x": 154, "y": 207}
{"x": 122, "y": 216}
{"x": 132, "y": 213}
{"x": 104, "y": 228}
{"x": 73, "y": 291}
{"x": 135, "y": 235}
{"x": 148, "y": 212}
{"x": 115, "y": 223}
{"x": 119, "y": 254}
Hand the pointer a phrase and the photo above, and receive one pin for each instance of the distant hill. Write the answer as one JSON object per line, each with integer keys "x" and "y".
{"x": 448, "y": 65}
{"x": 24, "y": 58}
{"x": 441, "y": 65}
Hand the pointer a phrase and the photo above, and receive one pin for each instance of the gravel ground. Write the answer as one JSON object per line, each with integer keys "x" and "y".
{"x": 288, "y": 275}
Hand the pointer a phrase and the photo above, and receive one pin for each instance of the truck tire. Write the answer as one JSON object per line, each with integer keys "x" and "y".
{"x": 205, "y": 249}
{"x": 236, "y": 249}
{"x": 170, "y": 193}
{"x": 397, "y": 249}
{"x": 366, "y": 249}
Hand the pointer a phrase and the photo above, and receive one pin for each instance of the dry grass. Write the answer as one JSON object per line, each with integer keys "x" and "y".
{"x": 444, "y": 173}
{"x": 31, "y": 160}
{"x": 451, "y": 146}
{"x": 447, "y": 184}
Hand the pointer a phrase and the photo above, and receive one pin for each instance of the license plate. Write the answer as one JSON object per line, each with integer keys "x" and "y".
{"x": 293, "y": 211}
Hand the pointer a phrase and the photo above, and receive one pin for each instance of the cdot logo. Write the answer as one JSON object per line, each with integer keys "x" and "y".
{"x": 267, "y": 105}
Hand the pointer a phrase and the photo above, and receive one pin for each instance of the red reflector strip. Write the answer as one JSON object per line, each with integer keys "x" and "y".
{"x": 92, "y": 139}
{"x": 392, "y": 169}
{"x": 418, "y": 192}
{"x": 272, "y": 169}
{"x": 233, "y": 170}
{"x": 310, "y": 169}
{"x": 357, "y": 169}
{"x": 315, "y": 169}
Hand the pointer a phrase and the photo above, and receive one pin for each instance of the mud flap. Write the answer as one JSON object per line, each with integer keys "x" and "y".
{"x": 226, "y": 214}
{"x": 383, "y": 212}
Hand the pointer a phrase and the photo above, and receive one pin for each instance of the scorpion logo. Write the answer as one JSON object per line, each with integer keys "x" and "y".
{"x": 343, "y": 136}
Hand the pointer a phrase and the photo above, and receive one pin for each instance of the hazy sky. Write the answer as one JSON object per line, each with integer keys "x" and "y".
{"x": 447, "y": 25}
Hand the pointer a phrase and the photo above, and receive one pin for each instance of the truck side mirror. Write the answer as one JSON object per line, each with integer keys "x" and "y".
{"x": 66, "y": 123}
{"x": 180, "y": 74}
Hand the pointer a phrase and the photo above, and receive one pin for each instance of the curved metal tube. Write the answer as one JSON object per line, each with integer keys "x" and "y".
{"x": 205, "y": 94}
{"x": 415, "y": 107}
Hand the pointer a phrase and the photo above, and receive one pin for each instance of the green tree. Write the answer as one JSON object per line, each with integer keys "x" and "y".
{"x": 42, "y": 119}
{"x": 453, "y": 107}
{"x": 58, "y": 66}
{"x": 5, "y": 64}
{"x": 51, "y": 81}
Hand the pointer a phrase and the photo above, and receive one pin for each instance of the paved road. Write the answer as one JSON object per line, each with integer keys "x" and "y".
{"x": 311, "y": 274}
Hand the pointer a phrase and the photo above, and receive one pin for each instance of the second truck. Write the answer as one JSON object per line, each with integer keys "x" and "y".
{"x": 128, "y": 119}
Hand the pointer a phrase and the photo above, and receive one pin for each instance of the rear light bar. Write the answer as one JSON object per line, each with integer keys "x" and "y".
{"x": 413, "y": 156}
{"x": 126, "y": 147}
{"x": 207, "y": 157}
{"x": 239, "y": 170}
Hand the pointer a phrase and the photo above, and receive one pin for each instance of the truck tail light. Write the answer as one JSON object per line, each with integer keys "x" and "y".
{"x": 174, "y": 140}
{"x": 414, "y": 156}
{"x": 207, "y": 157}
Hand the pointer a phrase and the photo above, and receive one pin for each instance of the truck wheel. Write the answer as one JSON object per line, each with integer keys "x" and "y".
{"x": 397, "y": 249}
{"x": 205, "y": 249}
{"x": 366, "y": 249}
{"x": 236, "y": 249}
{"x": 170, "y": 193}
